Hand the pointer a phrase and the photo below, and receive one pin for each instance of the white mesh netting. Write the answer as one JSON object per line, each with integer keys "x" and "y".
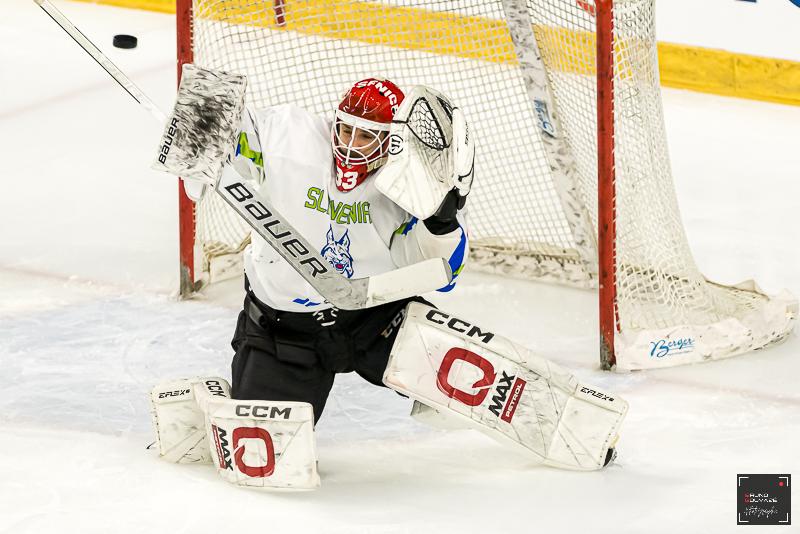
{"x": 534, "y": 203}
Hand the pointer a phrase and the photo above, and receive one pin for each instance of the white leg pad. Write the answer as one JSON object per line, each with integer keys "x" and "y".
{"x": 179, "y": 421}
{"x": 263, "y": 444}
{"x": 503, "y": 389}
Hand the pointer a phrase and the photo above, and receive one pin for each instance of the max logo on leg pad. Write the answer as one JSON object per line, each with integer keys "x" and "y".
{"x": 503, "y": 405}
{"x": 239, "y": 434}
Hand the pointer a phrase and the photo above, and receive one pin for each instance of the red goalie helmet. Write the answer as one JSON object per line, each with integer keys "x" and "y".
{"x": 360, "y": 133}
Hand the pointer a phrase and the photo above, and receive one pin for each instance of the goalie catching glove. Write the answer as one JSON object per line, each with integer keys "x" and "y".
{"x": 431, "y": 159}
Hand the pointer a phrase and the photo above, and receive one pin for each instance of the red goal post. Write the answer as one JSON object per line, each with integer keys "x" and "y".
{"x": 606, "y": 181}
{"x": 186, "y": 211}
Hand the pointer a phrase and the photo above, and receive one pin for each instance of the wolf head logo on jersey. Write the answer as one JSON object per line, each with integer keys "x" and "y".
{"x": 337, "y": 252}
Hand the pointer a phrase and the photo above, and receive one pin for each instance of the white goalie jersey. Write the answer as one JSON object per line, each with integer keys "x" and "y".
{"x": 360, "y": 232}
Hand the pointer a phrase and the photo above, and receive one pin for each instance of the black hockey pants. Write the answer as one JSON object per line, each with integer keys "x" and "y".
{"x": 294, "y": 356}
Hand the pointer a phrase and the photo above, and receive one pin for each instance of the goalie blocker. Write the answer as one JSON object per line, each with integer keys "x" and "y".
{"x": 503, "y": 390}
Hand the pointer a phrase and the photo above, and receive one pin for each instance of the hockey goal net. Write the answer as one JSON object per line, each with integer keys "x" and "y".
{"x": 527, "y": 75}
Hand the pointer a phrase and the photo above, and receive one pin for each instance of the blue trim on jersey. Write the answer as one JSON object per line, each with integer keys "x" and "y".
{"x": 306, "y": 302}
{"x": 409, "y": 225}
{"x": 456, "y": 261}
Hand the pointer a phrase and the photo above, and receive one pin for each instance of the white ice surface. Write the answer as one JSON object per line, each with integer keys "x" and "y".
{"x": 756, "y": 27}
{"x": 88, "y": 259}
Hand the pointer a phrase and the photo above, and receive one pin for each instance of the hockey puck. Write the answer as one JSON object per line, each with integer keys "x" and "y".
{"x": 125, "y": 41}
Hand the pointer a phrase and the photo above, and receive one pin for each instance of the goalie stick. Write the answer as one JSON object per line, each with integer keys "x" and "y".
{"x": 259, "y": 213}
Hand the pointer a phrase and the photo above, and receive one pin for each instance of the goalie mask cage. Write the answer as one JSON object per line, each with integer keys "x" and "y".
{"x": 573, "y": 181}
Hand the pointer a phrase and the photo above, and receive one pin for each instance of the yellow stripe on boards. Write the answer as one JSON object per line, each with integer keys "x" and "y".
{"x": 725, "y": 73}
{"x": 685, "y": 67}
{"x": 161, "y": 6}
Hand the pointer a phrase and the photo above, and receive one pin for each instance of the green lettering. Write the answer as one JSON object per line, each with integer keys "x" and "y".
{"x": 340, "y": 212}
{"x": 321, "y": 205}
{"x": 313, "y": 198}
{"x": 335, "y": 210}
{"x": 344, "y": 214}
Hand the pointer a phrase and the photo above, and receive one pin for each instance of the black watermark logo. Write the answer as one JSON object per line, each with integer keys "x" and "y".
{"x": 764, "y": 499}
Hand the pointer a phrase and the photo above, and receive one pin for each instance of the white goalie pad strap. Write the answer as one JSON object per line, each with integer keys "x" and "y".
{"x": 178, "y": 420}
{"x": 260, "y": 444}
{"x": 200, "y": 133}
{"x": 503, "y": 389}
{"x": 422, "y": 166}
